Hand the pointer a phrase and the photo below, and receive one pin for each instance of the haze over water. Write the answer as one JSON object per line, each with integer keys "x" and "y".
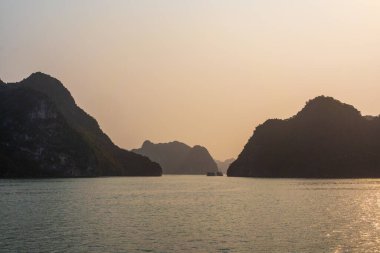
{"x": 203, "y": 73}
{"x": 189, "y": 214}
{"x": 197, "y": 71}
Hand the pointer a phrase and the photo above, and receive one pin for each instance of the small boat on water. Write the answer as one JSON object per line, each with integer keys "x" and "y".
{"x": 215, "y": 173}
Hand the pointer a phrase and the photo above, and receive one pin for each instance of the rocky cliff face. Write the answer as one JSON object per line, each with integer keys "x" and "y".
{"x": 179, "y": 158}
{"x": 326, "y": 139}
{"x": 45, "y": 134}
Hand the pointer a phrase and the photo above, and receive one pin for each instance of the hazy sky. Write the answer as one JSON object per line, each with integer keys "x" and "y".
{"x": 201, "y": 72}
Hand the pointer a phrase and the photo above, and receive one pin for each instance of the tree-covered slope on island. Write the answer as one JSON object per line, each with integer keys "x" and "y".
{"x": 45, "y": 134}
{"x": 179, "y": 158}
{"x": 326, "y": 139}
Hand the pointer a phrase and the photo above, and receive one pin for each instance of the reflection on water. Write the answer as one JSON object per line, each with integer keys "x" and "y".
{"x": 189, "y": 214}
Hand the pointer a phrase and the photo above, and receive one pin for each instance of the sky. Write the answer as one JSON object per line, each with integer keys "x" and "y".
{"x": 200, "y": 72}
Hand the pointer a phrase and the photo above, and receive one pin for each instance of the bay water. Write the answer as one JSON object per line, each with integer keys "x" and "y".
{"x": 189, "y": 214}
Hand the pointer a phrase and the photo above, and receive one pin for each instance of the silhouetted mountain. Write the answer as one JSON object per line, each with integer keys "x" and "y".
{"x": 223, "y": 165}
{"x": 44, "y": 133}
{"x": 179, "y": 158}
{"x": 326, "y": 139}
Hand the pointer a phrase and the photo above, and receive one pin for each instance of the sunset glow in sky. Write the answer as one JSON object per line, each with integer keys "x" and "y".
{"x": 200, "y": 72}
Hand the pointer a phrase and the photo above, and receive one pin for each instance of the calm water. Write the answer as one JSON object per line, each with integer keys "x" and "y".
{"x": 189, "y": 214}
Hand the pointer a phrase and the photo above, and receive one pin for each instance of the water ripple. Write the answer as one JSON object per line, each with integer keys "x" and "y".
{"x": 189, "y": 214}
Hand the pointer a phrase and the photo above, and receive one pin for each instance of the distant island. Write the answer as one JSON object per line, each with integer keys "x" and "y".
{"x": 178, "y": 158}
{"x": 224, "y": 165}
{"x": 45, "y": 134}
{"x": 326, "y": 139}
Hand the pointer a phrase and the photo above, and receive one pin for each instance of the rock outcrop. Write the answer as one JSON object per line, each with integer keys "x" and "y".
{"x": 43, "y": 133}
{"x": 326, "y": 139}
{"x": 223, "y": 165}
{"x": 179, "y": 158}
